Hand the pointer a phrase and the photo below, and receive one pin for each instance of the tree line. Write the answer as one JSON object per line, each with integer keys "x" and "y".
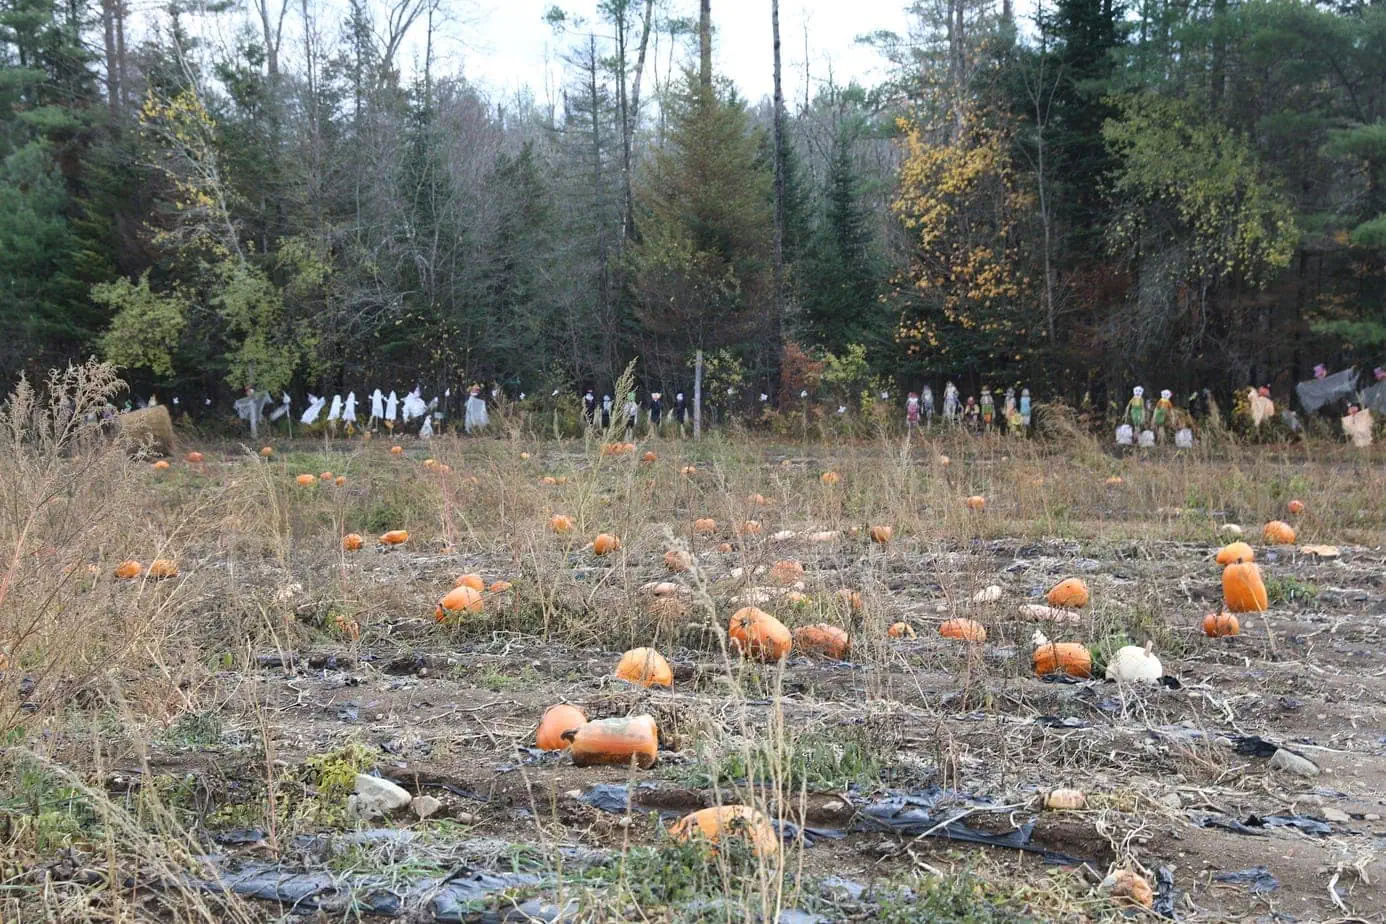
{"x": 1182, "y": 194}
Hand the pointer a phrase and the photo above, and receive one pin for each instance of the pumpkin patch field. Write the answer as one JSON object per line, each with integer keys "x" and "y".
{"x": 528, "y": 680}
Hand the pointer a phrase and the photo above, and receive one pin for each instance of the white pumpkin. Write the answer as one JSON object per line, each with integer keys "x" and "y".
{"x": 1232, "y": 529}
{"x": 987, "y": 595}
{"x": 1134, "y": 664}
{"x": 784, "y": 535}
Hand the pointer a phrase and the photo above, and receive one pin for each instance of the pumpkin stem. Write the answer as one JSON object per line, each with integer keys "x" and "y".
{"x": 569, "y": 734}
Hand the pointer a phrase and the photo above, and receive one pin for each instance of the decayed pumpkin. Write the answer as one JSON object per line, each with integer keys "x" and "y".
{"x": 395, "y": 537}
{"x": 352, "y": 542}
{"x": 555, "y": 722}
{"x": 161, "y": 568}
{"x": 346, "y": 625}
{"x": 129, "y": 570}
{"x": 1071, "y": 593}
{"x": 966, "y": 629}
{"x": 715, "y": 824}
{"x": 615, "y": 741}
{"x": 605, "y": 544}
{"x": 1065, "y": 800}
{"x": 560, "y": 523}
{"x": 194, "y": 457}
{"x": 646, "y": 667}
{"x": 1295, "y": 507}
{"x": 705, "y": 526}
{"x": 161, "y": 465}
{"x": 396, "y": 450}
{"x": 786, "y": 572}
{"x": 1243, "y": 591}
{"x": 649, "y": 457}
{"x": 266, "y": 452}
{"x": 1278, "y": 532}
{"x": 882, "y": 534}
{"x": 473, "y": 581}
{"x": 458, "y": 600}
{"x": 757, "y": 634}
{"x": 678, "y": 560}
{"x": 1062, "y": 658}
{"x": 850, "y": 598}
{"x": 306, "y": 480}
{"x": 1235, "y": 552}
{"x": 499, "y": 587}
{"x": 1221, "y": 625}
{"x": 976, "y": 502}
{"x": 900, "y": 630}
{"x": 830, "y": 478}
{"x": 828, "y": 641}
{"x": 1126, "y": 886}
{"x": 750, "y": 527}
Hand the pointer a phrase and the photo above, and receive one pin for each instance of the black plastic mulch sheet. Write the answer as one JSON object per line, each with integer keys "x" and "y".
{"x": 1259, "y": 878}
{"x": 915, "y": 815}
{"x": 1256, "y": 825}
{"x": 456, "y": 898}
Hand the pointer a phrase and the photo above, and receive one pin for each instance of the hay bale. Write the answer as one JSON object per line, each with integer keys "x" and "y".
{"x": 149, "y": 429}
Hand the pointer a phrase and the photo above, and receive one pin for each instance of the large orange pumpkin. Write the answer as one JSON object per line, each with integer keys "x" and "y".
{"x": 966, "y": 629}
{"x": 397, "y": 450}
{"x": 605, "y": 544}
{"x": 823, "y": 639}
{"x": 976, "y": 502}
{"x": 194, "y": 457}
{"x": 830, "y": 478}
{"x": 129, "y": 570}
{"x": 1235, "y": 552}
{"x": 352, "y": 542}
{"x": 615, "y": 741}
{"x": 473, "y": 581}
{"x": 1278, "y": 532}
{"x": 161, "y": 568}
{"x": 649, "y": 456}
{"x": 757, "y": 634}
{"x": 882, "y": 534}
{"x": 705, "y": 526}
{"x": 786, "y": 572}
{"x": 458, "y": 600}
{"x": 306, "y": 480}
{"x": 560, "y": 523}
{"x": 1243, "y": 591}
{"x": 1220, "y": 625}
{"x": 1062, "y": 658}
{"x": 395, "y": 537}
{"x": 1071, "y": 593}
{"x": 646, "y": 667}
{"x": 723, "y": 821}
{"x": 161, "y": 465}
{"x": 556, "y": 721}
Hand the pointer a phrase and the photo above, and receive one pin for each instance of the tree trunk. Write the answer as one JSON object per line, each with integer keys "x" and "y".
{"x": 705, "y": 45}
{"x": 698, "y": 390}
{"x": 779, "y": 174}
{"x": 623, "y": 110}
{"x": 108, "y": 17}
{"x": 118, "y": 8}
{"x": 634, "y": 112}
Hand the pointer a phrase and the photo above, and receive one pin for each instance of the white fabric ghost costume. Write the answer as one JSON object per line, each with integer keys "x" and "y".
{"x": 414, "y": 406}
{"x": 391, "y": 407}
{"x": 377, "y": 405}
{"x": 282, "y": 409}
{"x": 476, "y": 418}
{"x": 334, "y": 413}
{"x": 315, "y": 406}
{"x": 349, "y": 408}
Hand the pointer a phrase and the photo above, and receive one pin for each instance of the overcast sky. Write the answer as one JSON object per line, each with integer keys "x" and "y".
{"x": 504, "y": 44}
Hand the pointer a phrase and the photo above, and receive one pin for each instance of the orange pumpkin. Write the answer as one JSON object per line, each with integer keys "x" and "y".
{"x": 346, "y": 625}
{"x": 555, "y": 722}
{"x": 705, "y": 526}
{"x": 976, "y": 502}
{"x": 1295, "y": 507}
{"x": 605, "y": 544}
{"x": 829, "y": 641}
{"x": 1062, "y": 658}
{"x": 725, "y": 547}
{"x": 161, "y": 568}
{"x": 757, "y": 634}
{"x": 615, "y": 741}
{"x": 1278, "y": 532}
{"x": 786, "y": 572}
{"x": 161, "y": 465}
{"x": 548, "y": 481}
{"x": 901, "y": 630}
{"x": 725, "y": 821}
{"x": 499, "y": 587}
{"x": 352, "y": 542}
{"x": 266, "y": 452}
{"x": 646, "y": 667}
{"x": 850, "y": 598}
{"x": 1235, "y": 552}
{"x": 397, "y": 450}
{"x": 341, "y": 481}
{"x": 648, "y": 457}
{"x": 1220, "y": 625}
{"x": 306, "y": 480}
{"x": 750, "y": 527}
{"x": 1243, "y": 591}
{"x": 1115, "y": 480}
{"x": 456, "y": 601}
{"x": 1072, "y": 593}
{"x": 966, "y": 629}
{"x": 678, "y": 560}
{"x": 830, "y": 478}
{"x": 882, "y": 534}
{"x": 326, "y": 476}
{"x": 395, "y": 537}
{"x": 689, "y": 470}
{"x": 129, "y": 570}
{"x": 194, "y": 457}
{"x": 560, "y": 523}
{"x": 473, "y": 581}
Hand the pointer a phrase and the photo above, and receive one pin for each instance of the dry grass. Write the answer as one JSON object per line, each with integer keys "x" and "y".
{"x": 99, "y": 671}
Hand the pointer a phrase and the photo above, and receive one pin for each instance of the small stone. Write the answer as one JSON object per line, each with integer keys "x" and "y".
{"x": 1172, "y": 800}
{"x": 1338, "y": 815}
{"x": 376, "y": 796}
{"x": 422, "y": 672}
{"x": 1293, "y": 763}
{"x": 424, "y": 806}
{"x": 833, "y": 806}
{"x": 465, "y": 818}
{"x": 1372, "y": 816}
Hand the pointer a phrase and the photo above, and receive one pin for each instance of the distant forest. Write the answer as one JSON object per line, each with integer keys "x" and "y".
{"x": 1103, "y": 193}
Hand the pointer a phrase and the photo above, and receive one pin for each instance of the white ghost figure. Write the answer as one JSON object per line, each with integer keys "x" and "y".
{"x": 804, "y": 393}
{"x": 377, "y": 405}
{"x": 1125, "y": 436}
{"x": 1184, "y": 438}
{"x": 283, "y": 407}
{"x": 414, "y": 406}
{"x": 315, "y": 405}
{"x": 391, "y": 407}
{"x": 335, "y": 412}
{"x": 1147, "y": 438}
{"x": 349, "y": 408}
{"x": 426, "y": 431}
